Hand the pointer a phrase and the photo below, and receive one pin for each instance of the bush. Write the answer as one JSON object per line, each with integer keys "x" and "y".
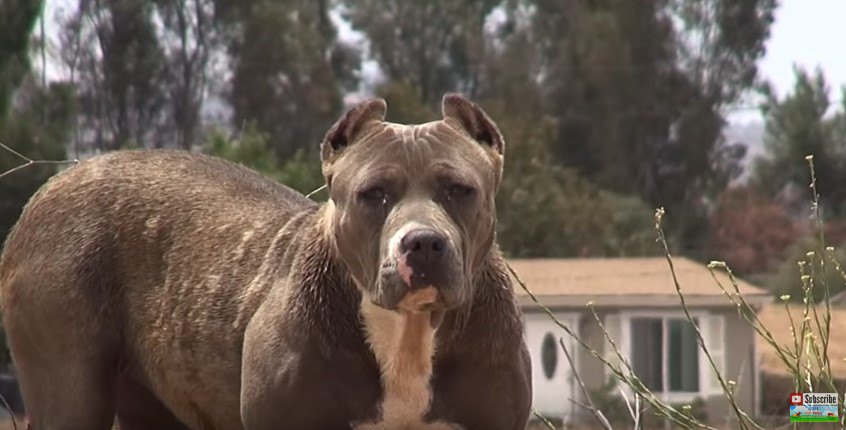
{"x": 751, "y": 232}
{"x": 546, "y": 210}
{"x": 804, "y": 258}
{"x": 301, "y": 172}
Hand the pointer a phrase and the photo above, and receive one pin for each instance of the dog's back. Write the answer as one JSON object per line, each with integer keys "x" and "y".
{"x": 110, "y": 235}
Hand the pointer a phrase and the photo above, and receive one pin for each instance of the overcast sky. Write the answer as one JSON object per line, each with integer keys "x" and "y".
{"x": 810, "y": 33}
{"x": 807, "y": 33}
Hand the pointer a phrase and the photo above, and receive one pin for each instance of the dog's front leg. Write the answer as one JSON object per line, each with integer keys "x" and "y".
{"x": 285, "y": 383}
{"x": 491, "y": 390}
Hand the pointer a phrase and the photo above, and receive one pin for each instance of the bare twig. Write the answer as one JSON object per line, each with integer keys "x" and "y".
{"x": 11, "y": 413}
{"x": 543, "y": 419}
{"x": 635, "y": 410}
{"x": 600, "y": 417}
{"x": 748, "y": 313}
{"x": 321, "y": 188}
{"x": 29, "y": 162}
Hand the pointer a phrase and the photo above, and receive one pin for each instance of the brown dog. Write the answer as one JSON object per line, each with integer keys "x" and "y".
{"x": 180, "y": 291}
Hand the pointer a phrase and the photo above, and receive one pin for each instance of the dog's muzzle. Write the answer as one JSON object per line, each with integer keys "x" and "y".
{"x": 421, "y": 275}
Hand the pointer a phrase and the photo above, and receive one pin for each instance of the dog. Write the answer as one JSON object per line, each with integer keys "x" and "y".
{"x": 179, "y": 291}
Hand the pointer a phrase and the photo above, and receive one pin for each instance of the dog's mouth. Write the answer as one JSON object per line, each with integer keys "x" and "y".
{"x": 396, "y": 290}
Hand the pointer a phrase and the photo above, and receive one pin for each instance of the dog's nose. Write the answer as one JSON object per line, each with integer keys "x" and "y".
{"x": 423, "y": 246}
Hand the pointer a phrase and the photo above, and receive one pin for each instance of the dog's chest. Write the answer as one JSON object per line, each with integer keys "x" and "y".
{"x": 404, "y": 346}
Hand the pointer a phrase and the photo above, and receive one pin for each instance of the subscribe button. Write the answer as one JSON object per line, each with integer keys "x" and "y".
{"x": 813, "y": 407}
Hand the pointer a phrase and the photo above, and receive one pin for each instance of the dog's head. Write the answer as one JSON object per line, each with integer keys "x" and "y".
{"x": 412, "y": 206}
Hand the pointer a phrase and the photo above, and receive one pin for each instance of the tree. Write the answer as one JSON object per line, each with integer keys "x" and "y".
{"x": 33, "y": 120}
{"x": 548, "y": 211}
{"x": 301, "y": 172}
{"x": 289, "y": 69}
{"x": 141, "y": 70}
{"x": 119, "y": 68}
{"x": 189, "y": 43}
{"x": 37, "y": 129}
{"x": 432, "y": 46}
{"x": 798, "y": 125}
{"x": 637, "y": 110}
{"x": 788, "y": 277}
{"x": 405, "y": 103}
{"x": 17, "y": 17}
{"x": 721, "y": 41}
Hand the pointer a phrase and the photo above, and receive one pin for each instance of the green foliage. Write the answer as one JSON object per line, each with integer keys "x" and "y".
{"x": 33, "y": 121}
{"x": 37, "y": 131}
{"x": 799, "y": 125}
{"x": 722, "y": 40}
{"x": 17, "y": 17}
{"x": 405, "y": 103}
{"x": 249, "y": 149}
{"x": 141, "y": 70}
{"x": 545, "y": 210}
{"x": 639, "y": 115}
{"x": 434, "y": 46}
{"x": 187, "y": 26}
{"x": 289, "y": 69}
{"x": 607, "y": 399}
{"x": 121, "y": 74}
{"x": 37, "y": 128}
{"x": 301, "y": 171}
{"x": 820, "y": 270}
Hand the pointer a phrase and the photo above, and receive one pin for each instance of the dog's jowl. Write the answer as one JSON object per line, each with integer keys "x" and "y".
{"x": 178, "y": 291}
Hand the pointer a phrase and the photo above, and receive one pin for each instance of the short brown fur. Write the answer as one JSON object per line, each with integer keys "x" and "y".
{"x": 180, "y": 291}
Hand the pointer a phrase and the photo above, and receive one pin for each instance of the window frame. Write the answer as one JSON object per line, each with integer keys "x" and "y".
{"x": 704, "y": 367}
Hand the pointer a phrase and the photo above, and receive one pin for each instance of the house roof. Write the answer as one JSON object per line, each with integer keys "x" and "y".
{"x": 776, "y": 319}
{"x": 625, "y": 282}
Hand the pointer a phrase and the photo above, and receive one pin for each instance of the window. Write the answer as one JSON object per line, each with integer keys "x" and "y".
{"x": 549, "y": 355}
{"x": 665, "y": 354}
{"x": 662, "y": 349}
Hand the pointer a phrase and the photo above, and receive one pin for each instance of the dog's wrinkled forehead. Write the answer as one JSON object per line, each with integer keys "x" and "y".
{"x": 465, "y": 139}
{"x": 414, "y": 149}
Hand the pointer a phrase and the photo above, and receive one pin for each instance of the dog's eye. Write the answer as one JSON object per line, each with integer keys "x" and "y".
{"x": 459, "y": 191}
{"x": 374, "y": 195}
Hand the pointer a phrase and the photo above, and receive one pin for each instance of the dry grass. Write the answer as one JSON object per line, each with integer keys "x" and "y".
{"x": 776, "y": 319}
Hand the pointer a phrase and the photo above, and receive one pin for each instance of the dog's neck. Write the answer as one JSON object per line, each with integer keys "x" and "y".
{"x": 404, "y": 345}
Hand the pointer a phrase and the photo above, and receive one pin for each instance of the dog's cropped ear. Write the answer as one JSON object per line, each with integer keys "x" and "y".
{"x": 345, "y": 131}
{"x": 458, "y": 111}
